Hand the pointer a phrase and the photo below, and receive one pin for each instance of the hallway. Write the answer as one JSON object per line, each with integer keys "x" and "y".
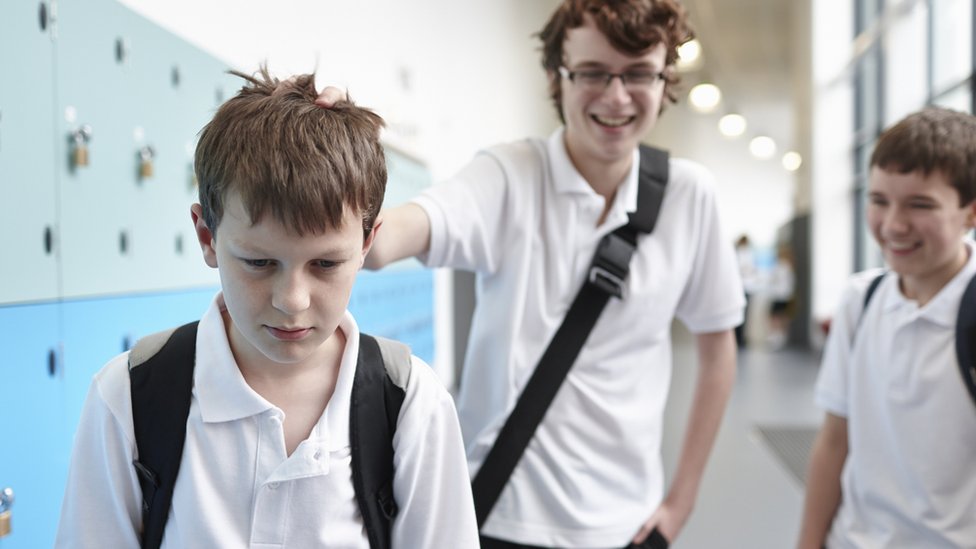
{"x": 749, "y": 497}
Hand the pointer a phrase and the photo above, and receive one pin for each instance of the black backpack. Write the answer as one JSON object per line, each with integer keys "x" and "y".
{"x": 161, "y": 376}
{"x": 965, "y": 331}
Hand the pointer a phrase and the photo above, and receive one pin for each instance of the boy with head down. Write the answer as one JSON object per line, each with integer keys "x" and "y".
{"x": 289, "y": 194}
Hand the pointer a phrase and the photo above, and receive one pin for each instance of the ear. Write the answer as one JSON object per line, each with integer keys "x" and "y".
{"x": 368, "y": 243}
{"x": 204, "y": 236}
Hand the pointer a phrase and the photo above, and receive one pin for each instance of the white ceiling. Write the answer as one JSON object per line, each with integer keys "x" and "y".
{"x": 749, "y": 49}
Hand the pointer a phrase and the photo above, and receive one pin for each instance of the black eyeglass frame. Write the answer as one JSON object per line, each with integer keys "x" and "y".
{"x": 656, "y": 77}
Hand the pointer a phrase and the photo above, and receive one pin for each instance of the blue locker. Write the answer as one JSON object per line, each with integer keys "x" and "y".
{"x": 33, "y": 435}
{"x": 28, "y": 161}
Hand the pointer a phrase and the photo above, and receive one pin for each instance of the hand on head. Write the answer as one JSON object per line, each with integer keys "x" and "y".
{"x": 330, "y": 96}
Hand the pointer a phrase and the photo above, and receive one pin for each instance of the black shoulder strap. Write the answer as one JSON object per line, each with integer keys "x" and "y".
{"x": 966, "y": 337}
{"x": 605, "y": 279}
{"x": 371, "y": 429}
{"x": 871, "y": 289}
{"x": 161, "y": 391}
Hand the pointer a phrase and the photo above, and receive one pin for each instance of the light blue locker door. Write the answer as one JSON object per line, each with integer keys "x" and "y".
{"x": 94, "y": 85}
{"x": 34, "y": 452}
{"x": 137, "y": 86}
{"x": 28, "y": 161}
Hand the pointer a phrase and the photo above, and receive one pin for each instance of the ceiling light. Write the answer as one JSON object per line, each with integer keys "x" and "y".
{"x": 762, "y": 147}
{"x": 732, "y": 125}
{"x": 792, "y": 161}
{"x": 705, "y": 97}
{"x": 688, "y": 54}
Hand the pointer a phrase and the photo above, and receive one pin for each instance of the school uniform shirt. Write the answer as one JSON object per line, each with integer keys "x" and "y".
{"x": 522, "y": 217}
{"x": 891, "y": 370}
{"x": 238, "y": 488}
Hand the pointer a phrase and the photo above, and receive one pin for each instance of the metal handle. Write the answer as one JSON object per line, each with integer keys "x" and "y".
{"x": 6, "y": 499}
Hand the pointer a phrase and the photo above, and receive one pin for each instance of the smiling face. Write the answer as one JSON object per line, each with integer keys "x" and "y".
{"x": 285, "y": 294}
{"x": 919, "y": 224}
{"x": 605, "y": 125}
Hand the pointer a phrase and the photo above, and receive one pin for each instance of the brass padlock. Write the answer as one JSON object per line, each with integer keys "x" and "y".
{"x": 5, "y": 524}
{"x": 6, "y": 501}
{"x": 146, "y": 155}
{"x": 80, "y": 157}
{"x": 80, "y": 138}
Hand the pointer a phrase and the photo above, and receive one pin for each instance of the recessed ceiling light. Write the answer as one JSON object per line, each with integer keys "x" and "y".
{"x": 705, "y": 97}
{"x": 688, "y": 54}
{"x": 792, "y": 161}
{"x": 732, "y": 125}
{"x": 762, "y": 147}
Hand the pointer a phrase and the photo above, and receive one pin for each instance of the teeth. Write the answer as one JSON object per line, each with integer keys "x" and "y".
{"x": 614, "y": 122}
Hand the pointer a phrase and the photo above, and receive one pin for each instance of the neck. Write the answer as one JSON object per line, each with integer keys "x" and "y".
{"x": 922, "y": 291}
{"x": 602, "y": 174}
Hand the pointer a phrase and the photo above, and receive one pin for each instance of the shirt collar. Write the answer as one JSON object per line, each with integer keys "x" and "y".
{"x": 944, "y": 306}
{"x": 567, "y": 179}
{"x": 223, "y": 394}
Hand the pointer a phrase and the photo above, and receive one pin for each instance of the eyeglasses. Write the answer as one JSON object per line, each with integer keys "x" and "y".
{"x": 595, "y": 79}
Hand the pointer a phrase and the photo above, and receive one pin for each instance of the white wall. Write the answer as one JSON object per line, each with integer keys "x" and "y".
{"x": 450, "y": 77}
{"x": 755, "y": 197}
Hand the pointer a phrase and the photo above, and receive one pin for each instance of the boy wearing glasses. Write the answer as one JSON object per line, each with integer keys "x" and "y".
{"x": 527, "y": 217}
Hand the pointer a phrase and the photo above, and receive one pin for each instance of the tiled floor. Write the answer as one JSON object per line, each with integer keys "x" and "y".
{"x": 749, "y": 498}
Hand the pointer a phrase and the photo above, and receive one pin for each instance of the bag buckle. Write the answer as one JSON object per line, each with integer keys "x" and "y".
{"x": 606, "y": 281}
{"x": 611, "y": 263}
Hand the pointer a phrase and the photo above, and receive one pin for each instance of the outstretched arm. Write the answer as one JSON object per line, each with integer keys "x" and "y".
{"x": 716, "y": 374}
{"x": 823, "y": 482}
{"x": 401, "y": 232}
{"x": 405, "y": 229}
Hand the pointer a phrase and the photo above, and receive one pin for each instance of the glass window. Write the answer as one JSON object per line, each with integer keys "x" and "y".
{"x": 867, "y": 86}
{"x": 866, "y": 12}
{"x": 959, "y": 98}
{"x": 952, "y": 43}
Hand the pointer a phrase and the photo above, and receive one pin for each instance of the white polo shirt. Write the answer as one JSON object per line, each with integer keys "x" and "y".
{"x": 238, "y": 488}
{"x": 523, "y": 218}
{"x": 910, "y": 475}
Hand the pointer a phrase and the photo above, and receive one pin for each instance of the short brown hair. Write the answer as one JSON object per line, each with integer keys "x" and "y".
{"x": 932, "y": 140}
{"x": 632, "y": 27}
{"x": 284, "y": 154}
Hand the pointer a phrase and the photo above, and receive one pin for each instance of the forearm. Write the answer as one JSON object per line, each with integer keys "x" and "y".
{"x": 716, "y": 376}
{"x": 823, "y": 493}
{"x": 401, "y": 232}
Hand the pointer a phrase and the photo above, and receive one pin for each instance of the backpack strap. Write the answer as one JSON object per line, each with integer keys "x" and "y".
{"x": 161, "y": 380}
{"x": 606, "y": 278}
{"x": 381, "y": 375}
{"x": 872, "y": 287}
{"x": 966, "y": 337}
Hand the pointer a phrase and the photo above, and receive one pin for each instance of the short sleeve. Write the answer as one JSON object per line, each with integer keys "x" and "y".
{"x": 713, "y": 298}
{"x": 432, "y": 485}
{"x": 466, "y": 216}
{"x": 831, "y": 390}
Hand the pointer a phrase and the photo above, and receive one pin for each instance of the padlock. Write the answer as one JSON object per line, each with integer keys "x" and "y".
{"x": 80, "y": 156}
{"x": 146, "y": 155}
{"x": 6, "y": 501}
{"x": 81, "y": 137}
